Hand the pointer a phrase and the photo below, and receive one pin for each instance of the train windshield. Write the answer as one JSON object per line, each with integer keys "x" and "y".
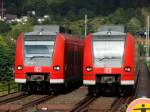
{"x": 108, "y": 52}
{"x": 38, "y": 53}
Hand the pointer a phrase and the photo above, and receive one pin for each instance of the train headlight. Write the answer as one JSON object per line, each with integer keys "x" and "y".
{"x": 19, "y": 67}
{"x": 127, "y": 69}
{"x": 89, "y": 69}
{"x": 57, "y": 68}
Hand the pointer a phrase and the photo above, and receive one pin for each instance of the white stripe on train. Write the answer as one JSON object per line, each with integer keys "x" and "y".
{"x": 89, "y": 82}
{"x": 20, "y": 80}
{"x": 123, "y": 82}
{"x": 56, "y": 81}
{"x": 127, "y": 82}
{"x": 53, "y": 81}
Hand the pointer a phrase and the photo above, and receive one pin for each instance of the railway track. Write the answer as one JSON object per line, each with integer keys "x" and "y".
{"x": 67, "y": 103}
{"x": 12, "y": 97}
{"x": 121, "y": 104}
{"x": 91, "y": 104}
{"x": 34, "y": 102}
{"x": 72, "y": 107}
{"x": 22, "y": 104}
{"x": 97, "y": 104}
{"x": 70, "y": 102}
{"x": 83, "y": 104}
{"x": 103, "y": 104}
{"x": 142, "y": 89}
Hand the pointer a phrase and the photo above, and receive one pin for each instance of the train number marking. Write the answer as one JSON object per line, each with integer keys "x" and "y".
{"x": 37, "y": 69}
{"x": 108, "y": 70}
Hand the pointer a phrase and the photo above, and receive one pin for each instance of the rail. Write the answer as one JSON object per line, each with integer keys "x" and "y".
{"x": 142, "y": 89}
{"x": 106, "y": 104}
{"x": 34, "y": 103}
{"x": 12, "y": 97}
{"x": 23, "y": 102}
{"x": 84, "y": 103}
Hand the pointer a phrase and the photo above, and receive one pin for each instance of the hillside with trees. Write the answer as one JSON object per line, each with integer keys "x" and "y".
{"x": 71, "y": 12}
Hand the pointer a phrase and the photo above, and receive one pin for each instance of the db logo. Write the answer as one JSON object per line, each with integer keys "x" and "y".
{"x": 37, "y": 69}
{"x": 108, "y": 70}
{"x": 139, "y": 105}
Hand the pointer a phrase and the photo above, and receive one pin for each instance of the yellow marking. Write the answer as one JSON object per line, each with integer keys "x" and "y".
{"x": 141, "y": 107}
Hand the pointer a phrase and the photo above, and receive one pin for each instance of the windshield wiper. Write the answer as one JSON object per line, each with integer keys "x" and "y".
{"x": 100, "y": 59}
{"x": 39, "y": 57}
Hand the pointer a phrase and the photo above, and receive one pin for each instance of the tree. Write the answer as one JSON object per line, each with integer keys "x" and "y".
{"x": 119, "y": 17}
{"x": 134, "y": 25}
{"x": 4, "y": 27}
{"x": 6, "y": 59}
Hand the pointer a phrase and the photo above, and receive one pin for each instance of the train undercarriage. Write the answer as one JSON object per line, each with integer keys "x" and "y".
{"x": 43, "y": 87}
{"x": 109, "y": 85}
{"x": 110, "y": 90}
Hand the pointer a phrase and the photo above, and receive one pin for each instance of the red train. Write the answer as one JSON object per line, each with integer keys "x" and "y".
{"x": 47, "y": 60}
{"x": 109, "y": 62}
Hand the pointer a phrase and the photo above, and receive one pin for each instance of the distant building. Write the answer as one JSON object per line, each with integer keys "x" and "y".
{"x": 10, "y": 17}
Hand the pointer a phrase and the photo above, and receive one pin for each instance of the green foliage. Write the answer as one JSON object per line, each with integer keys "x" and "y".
{"x": 140, "y": 17}
{"x": 134, "y": 25}
{"x": 40, "y": 7}
{"x": 6, "y": 62}
{"x": 32, "y": 21}
{"x": 7, "y": 49}
{"x": 95, "y": 23}
{"x": 17, "y": 29}
{"x": 126, "y": 12}
{"x": 7, "y": 87}
{"x": 64, "y": 7}
{"x": 47, "y": 21}
{"x": 141, "y": 50}
{"x": 148, "y": 63}
{"x": 119, "y": 17}
{"x": 77, "y": 27}
{"x": 4, "y": 27}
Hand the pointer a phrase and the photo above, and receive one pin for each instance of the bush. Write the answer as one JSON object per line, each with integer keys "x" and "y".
{"x": 4, "y": 27}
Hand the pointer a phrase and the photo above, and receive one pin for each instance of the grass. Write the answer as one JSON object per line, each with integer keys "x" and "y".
{"x": 8, "y": 87}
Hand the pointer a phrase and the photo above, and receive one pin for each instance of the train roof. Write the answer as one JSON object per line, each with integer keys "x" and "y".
{"x": 118, "y": 28}
{"x": 109, "y": 33}
{"x": 51, "y": 28}
{"x": 40, "y": 33}
{"x": 47, "y": 30}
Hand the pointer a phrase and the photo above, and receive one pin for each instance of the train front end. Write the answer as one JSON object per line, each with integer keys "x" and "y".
{"x": 108, "y": 61}
{"x": 34, "y": 60}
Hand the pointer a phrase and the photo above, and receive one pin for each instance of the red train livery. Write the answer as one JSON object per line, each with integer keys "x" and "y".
{"x": 108, "y": 60}
{"x": 47, "y": 60}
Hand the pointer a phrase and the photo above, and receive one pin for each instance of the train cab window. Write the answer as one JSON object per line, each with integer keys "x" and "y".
{"x": 108, "y": 52}
{"x": 37, "y": 49}
{"x": 38, "y": 53}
